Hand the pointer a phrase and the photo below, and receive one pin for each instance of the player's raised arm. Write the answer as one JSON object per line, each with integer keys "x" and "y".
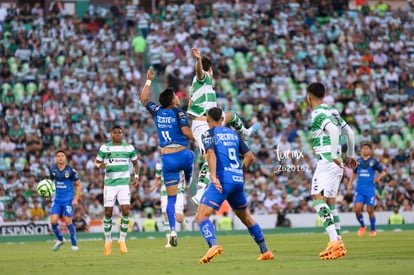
{"x": 145, "y": 91}
{"x": 198, "y": 65}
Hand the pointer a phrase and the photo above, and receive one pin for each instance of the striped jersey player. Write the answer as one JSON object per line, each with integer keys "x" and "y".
{"x": 327, "y": 126}
{"x": 115, "y": 157}
{"x": 202, "y": 99}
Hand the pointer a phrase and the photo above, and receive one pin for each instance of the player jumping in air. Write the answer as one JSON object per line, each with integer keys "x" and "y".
{"x": 173, "y": 134}
{"x": 203, "y": 98}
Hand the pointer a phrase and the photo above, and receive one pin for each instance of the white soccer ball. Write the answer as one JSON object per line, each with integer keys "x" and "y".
{"x": 46, "y": 188}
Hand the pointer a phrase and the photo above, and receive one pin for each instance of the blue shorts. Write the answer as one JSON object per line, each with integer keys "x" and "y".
{"x": 62, "y": 209}
{"x": 174, "y": 163}
{"x": 234, "y": 193}
{"x": 367, "y": 199}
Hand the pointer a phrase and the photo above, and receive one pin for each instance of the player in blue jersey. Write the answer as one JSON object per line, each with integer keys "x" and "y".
{"x": 173, "y": 134}
{"x": 364, "y": 174}
{"x": 68, "y": 189}
{"x": 223, "y": 146}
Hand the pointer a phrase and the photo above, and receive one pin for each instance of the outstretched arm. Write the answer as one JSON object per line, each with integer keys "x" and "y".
{"x": 145, "y": 91}
{"x": 198, "y": 65}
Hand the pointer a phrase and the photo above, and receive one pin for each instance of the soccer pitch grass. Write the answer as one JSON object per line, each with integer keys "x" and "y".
{"x": 387, "y": 253}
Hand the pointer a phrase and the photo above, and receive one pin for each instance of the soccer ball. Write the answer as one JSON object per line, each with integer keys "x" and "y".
{"x": 46, "y": 188}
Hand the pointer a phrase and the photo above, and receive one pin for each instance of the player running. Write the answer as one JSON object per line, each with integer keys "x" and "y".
{"x": 68, "y": 189}
{"x": 223, "y": 147}
{"x": 365, "y": 187}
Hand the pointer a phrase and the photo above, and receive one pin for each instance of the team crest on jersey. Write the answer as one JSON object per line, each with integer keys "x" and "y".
{"x": 67, "y": 174}
{"x": 54, "y": 174}
{"x": 371, "y": 162}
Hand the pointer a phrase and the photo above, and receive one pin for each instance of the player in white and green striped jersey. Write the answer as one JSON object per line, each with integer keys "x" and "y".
{"x": 327, "y": 126}
{"x": 115, "y": 157}
{"x": 179, "y": 204}
{"x": 203, "y": 98}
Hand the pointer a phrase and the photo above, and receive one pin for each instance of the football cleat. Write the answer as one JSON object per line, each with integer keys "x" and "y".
{"x": 122, "y": 247}
{"x": 58, "y": 244}
{"x": 268, "y": 255}
{"x": 361, "y": 231}
{"x": 251, "y": 131}
{"x": 211, "y": 253}
{"x": 173, "y": 239}
{"x": 332, "y": 247}
{"x": 108, "y": 248}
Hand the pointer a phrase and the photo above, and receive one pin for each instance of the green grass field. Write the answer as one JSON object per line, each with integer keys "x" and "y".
{"x": 387, "y": 253}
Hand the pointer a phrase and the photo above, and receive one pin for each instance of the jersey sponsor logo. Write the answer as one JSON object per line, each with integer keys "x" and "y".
{"x": 227, "y": 137}
{"x": 166, "y": 120}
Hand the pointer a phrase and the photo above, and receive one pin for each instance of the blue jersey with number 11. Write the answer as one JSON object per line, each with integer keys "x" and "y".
{"x": 227, "y": 146}
{"x": 169, "y": 123}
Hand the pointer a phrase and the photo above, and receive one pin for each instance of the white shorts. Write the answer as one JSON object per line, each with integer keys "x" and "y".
{"x": 120, "y": 193}
{"x": 179, "y": 204}
{"x": 326, "y": 178}
{"x": 199, "y": 127}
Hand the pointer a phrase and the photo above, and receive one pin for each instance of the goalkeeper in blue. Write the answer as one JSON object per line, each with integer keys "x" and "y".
{"x": 365, "y": 177}
{"x": 174, "y": 135}
{"x": 223, "y": 146}
{"x": 68, "y": 189}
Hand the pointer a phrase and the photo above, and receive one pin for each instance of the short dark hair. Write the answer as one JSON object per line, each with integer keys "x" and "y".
{"x": 166, "y": 97}
{"x": 317, "y": 89}
{"x": 116, "y": 127}
{"x": 60, "y": 151}
{"x": 366, "y": 144}
{"x": 215, "y": 113}
{"x": 206, "y": 63}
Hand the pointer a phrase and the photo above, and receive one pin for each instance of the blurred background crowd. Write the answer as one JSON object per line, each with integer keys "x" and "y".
{"x": 66, "y": 80}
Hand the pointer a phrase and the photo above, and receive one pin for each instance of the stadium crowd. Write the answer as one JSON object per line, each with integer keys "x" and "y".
{"x": 65, "y": 81}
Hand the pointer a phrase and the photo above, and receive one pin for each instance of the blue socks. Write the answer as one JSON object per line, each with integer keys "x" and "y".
{"x": 372, "y": 221}
{"x": 55, "y": 228}
{"x": 258, "y": 237}
{"x": 360, "y": 219}
{"x": 72, "y": 233}
{"x": 171, "y": 211}
{"x": 207, "y": 230}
